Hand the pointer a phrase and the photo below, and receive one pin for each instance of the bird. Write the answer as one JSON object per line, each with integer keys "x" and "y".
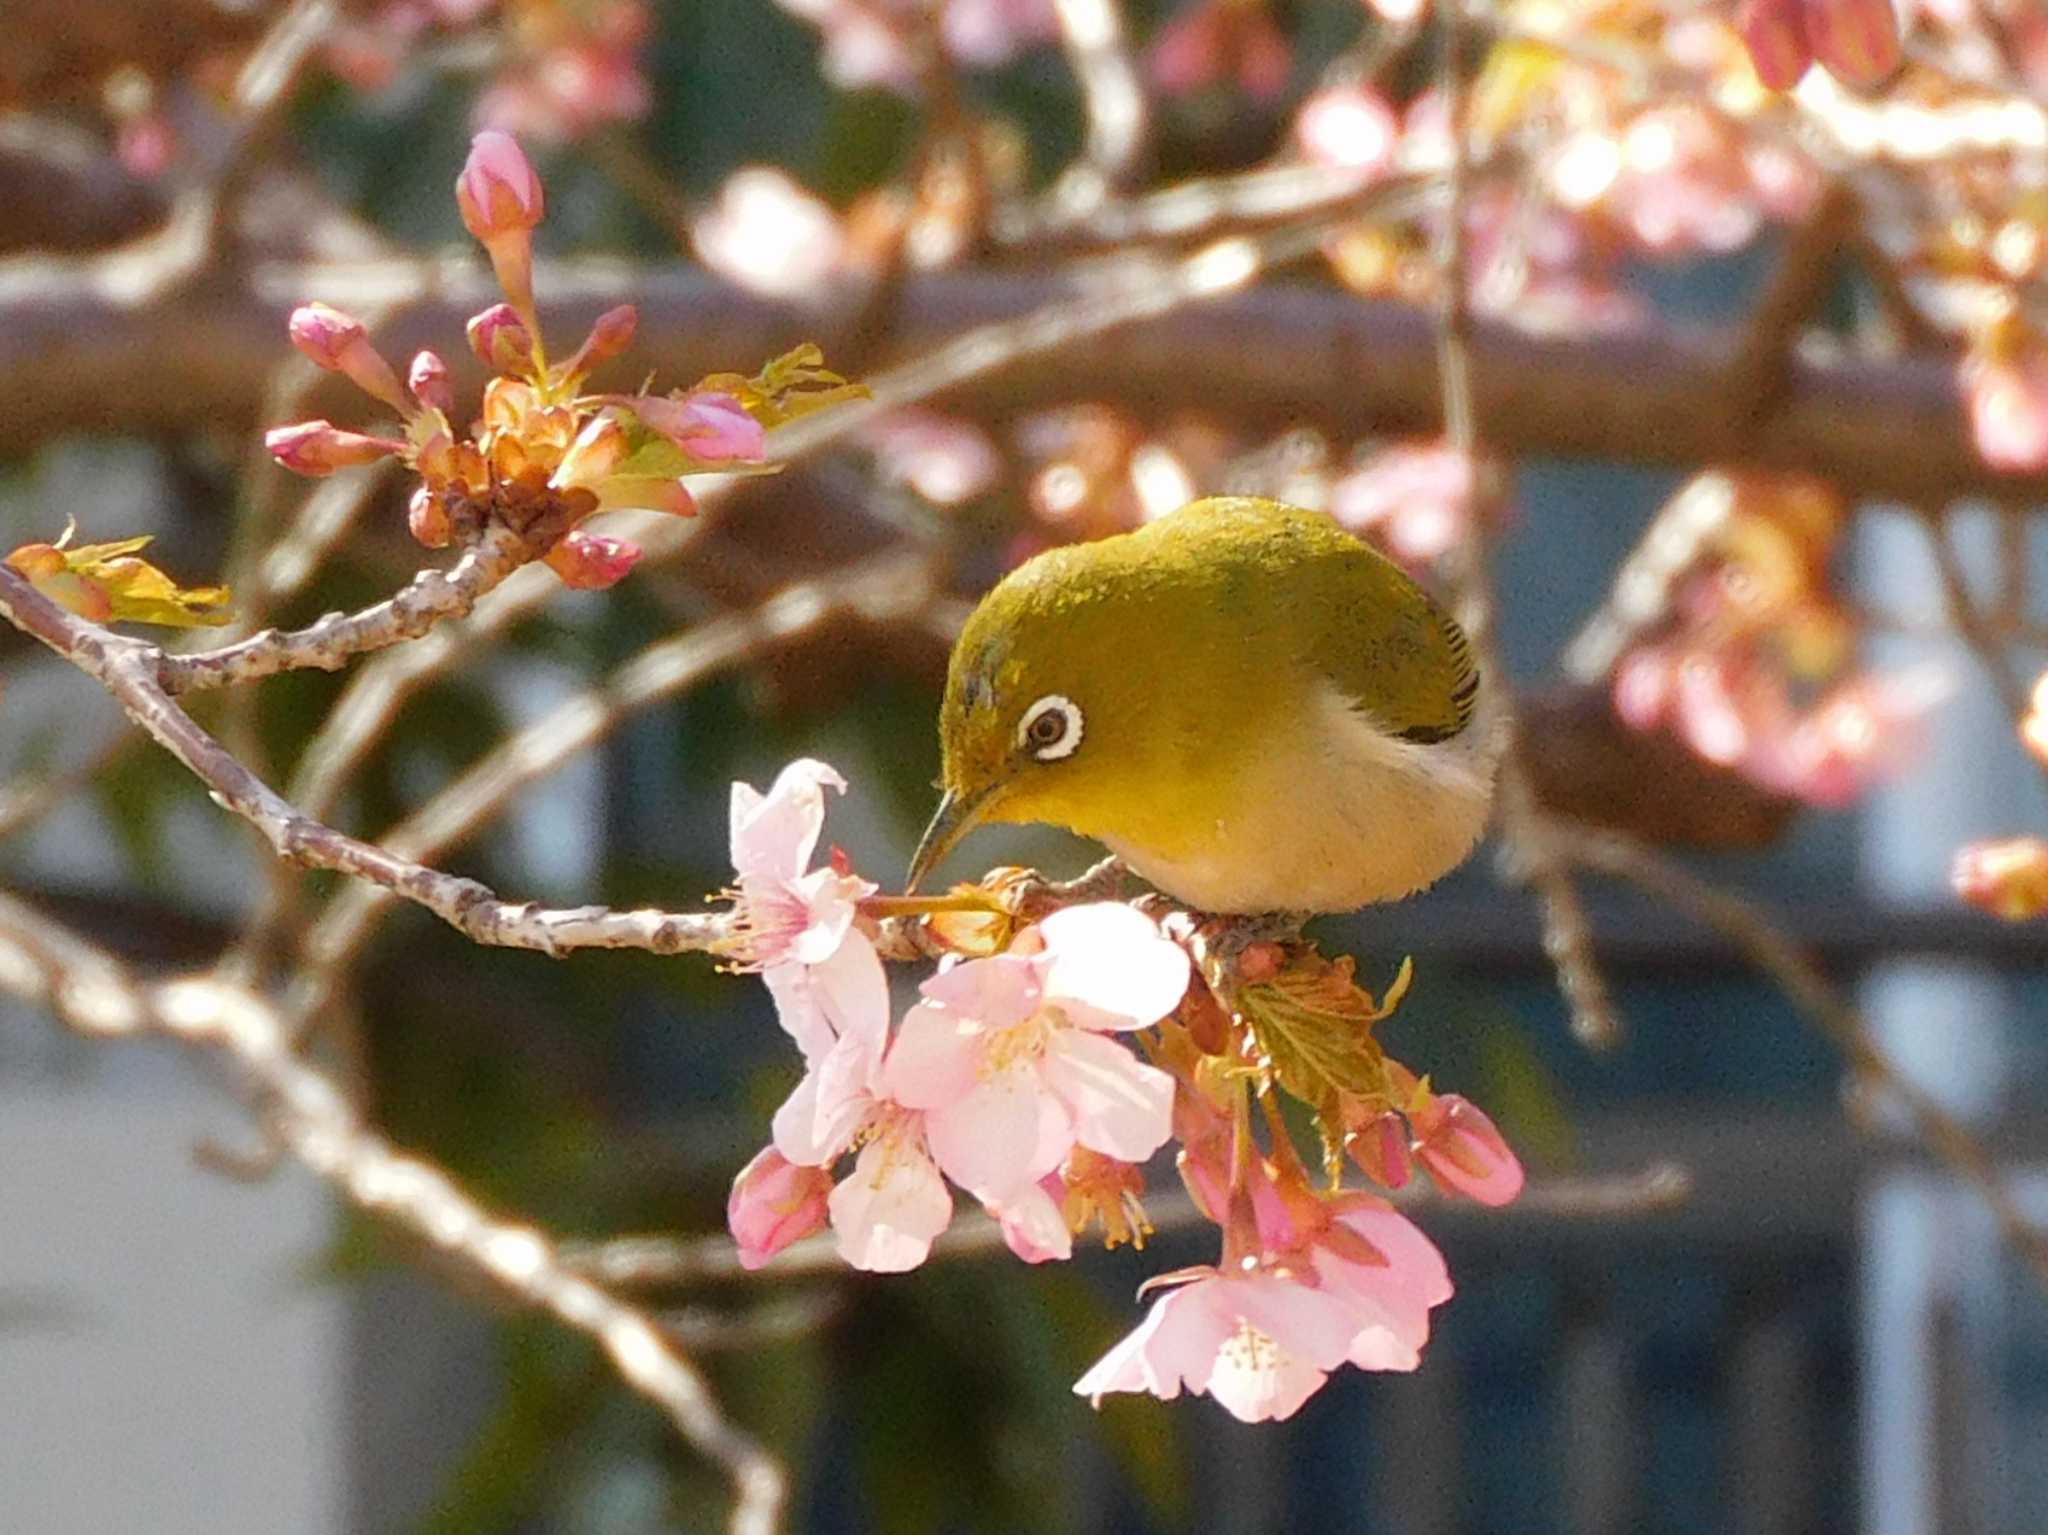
{"x": 1253, "y": 709}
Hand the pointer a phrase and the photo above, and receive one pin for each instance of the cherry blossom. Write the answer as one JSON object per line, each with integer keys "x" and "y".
{"x": 795, "y": 923}
{"x": 1415, "y": 501}
{"x": 1008, "y": 1058}
{"x": 1259, "y": 1342}
{"x": 876, "y": 42}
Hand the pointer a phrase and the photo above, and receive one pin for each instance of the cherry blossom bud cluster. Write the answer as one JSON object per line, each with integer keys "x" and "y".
{"x": 1744, "y": 654}
{"x": 1040, "y": 1071}
{"x": 542, "y": 455}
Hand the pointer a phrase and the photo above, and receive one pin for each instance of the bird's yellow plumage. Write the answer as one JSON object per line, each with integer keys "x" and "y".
{"x": 1253, "y": 709}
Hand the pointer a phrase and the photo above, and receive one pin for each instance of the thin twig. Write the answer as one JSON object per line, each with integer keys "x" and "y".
{"x": 1802, "y": 981}
{"x": 314, "y": 1121}
{"x": 1970, "y": 622}
{"x": 884, "y": 588}
{"x": 666, "y": 1262}
{"x": 1092, "y": 33}
{"x": 1567, "y": 936}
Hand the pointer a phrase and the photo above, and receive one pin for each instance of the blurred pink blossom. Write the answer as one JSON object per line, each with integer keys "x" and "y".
{"x": 948, "y": 460}
{"x": 1415, "y": 501}
{"x": 2006, "y": 390}
{"x": 875, "y": 42}
{"x": 1348, "y": 127}
{"x": 1214, "y": 42}
{"x": 768, "y": 234}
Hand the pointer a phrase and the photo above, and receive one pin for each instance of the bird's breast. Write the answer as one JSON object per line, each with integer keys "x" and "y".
{"x": 1332, "y": 815}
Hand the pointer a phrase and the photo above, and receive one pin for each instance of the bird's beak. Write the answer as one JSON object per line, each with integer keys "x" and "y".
{"x": 954, "y": 818}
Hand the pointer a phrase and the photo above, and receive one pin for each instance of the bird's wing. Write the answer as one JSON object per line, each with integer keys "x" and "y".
{"x": 1400, "y": 657}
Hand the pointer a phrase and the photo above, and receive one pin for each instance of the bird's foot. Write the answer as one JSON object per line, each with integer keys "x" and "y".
{"x": 1036, "y": 896}
{"x": 1235, "y": 949}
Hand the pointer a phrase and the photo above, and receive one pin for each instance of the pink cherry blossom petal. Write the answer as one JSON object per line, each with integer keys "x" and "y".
{"x": 776, "y": 833}
{"x": 936, "y": 1057}
{"x": 995, "y": 1139}
{"x": 845, "y": 994}
{"x": 891, "y": 1207}
{"x": 1121, "y": 1107}
{"x": 1001, "y": 991}
{"x": 1109, "y": 967}
{"x": 794, "y": 1129}
{"x": 1394, "y": 1298}
{"x": 1033, "y": 1226}
{"x": 829, "y": 899}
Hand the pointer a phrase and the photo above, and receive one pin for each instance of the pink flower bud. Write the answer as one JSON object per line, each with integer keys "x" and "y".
{"x": 1858, "y": 40}
{"x": 325, "y": 334}
{"x": 1380, "y": 1148}
{"x": 317, "y": 448}
{"x": 497, "y": 191}
{"x": 1775, "y": 33}
{"x": 2008, "y": 878}
{"x": 592, "y": 561}
{"x": 774, "y": 1202}
{"x": 429, "y": 383}
{"x": 1464, "y": 1152}
{"x": 500, "y": 199}
{"x": 427, "y": 517}
{"x": 610, "y": 335}
{"x": 710, "y": 426}
{"x": 501, "y": 339}
{"x": 337, "y": 342}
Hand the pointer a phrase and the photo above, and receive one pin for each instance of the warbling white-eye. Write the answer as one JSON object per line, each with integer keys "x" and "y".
{"x": 1255, "y": 711}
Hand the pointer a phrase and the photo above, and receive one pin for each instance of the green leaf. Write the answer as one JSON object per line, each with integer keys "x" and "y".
{"x": 1313, "y": 1024}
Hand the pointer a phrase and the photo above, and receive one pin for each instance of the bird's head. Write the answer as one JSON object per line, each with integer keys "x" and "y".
{"x": 1036, "y": 702}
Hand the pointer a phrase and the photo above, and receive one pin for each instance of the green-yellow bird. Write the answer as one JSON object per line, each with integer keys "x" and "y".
{"x": 1255, "y": 711}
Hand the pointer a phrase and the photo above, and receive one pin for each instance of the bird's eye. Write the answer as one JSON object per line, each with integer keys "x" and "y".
{"x": 1051, "y": 728}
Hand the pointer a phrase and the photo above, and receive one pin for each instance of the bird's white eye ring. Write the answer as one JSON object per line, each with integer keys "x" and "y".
{"x": 1051, "y": 728}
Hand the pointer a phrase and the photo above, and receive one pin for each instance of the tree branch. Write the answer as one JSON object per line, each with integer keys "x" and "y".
{"x": 329, "y": 644}
{"x": 313, "y": 1120}
{"x": 128, "y": 669}
{"x": 78, "y": 353}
